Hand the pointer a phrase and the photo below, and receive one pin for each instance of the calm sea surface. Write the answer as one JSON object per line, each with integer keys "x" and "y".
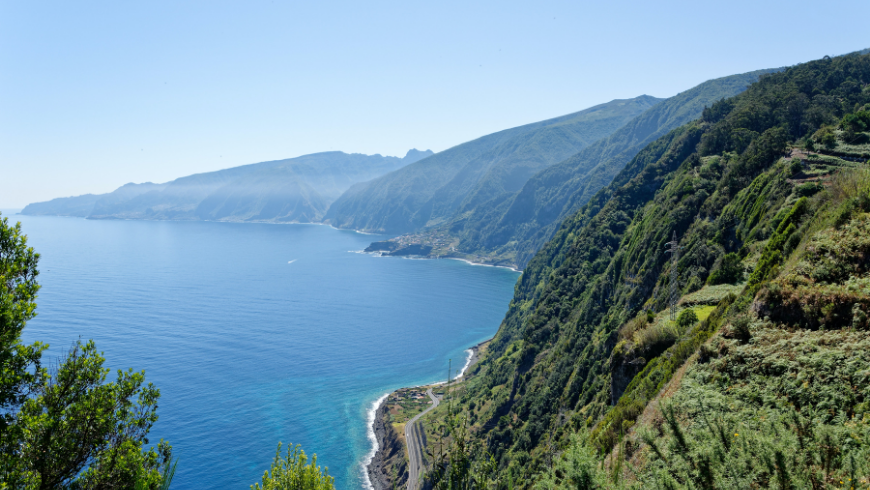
{"x": 258, "y": 333}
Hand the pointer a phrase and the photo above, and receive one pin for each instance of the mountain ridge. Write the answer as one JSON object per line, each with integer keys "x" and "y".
{"x": 765, "y": 202}
{"x": 297, "y": 189}
{"x": 510, "y": 228}
{"x": 430, "y": 190}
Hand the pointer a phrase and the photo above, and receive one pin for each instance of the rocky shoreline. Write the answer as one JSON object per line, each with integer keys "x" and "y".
{"x": 390, "y": 461}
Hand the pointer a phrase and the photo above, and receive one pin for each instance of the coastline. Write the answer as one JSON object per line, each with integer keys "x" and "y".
{"x": 469, "y": 262}
{"x": 269, "y": 222}
{"x": 374, "y": 436}
{"x": 386, "y": 444}
{"x": 378, "y": 253}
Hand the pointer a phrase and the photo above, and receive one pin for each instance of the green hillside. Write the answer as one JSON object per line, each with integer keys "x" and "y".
{"x": 514, "y": 228}
{"x": 762, "y": 379}
{"x": 293, "y": 190}
{"x": 431, "y": 191}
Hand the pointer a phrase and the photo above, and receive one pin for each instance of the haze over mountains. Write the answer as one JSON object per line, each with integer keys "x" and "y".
{"x": 293, "y": 190}
{"x": 434, "y": 189}
{"x": 500, "y": 198}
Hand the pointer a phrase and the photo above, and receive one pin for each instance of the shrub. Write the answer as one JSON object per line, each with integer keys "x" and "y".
{"x": 578, "y": 467}
{"x": 826, "y": 137}
{"x": 687, "y": 318}
{"x": 856, "y": 122}
{"x": 730, "y": 271}
{"x": 740, "y": 328}
{"x": 785, "y": 450}
{"x": 293, "y": 472}
{"x": 808, "y": 189}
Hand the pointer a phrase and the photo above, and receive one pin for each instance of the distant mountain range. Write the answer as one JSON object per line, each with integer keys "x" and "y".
{"x": 292, "y": 190}
{"x": 433, "y": 190}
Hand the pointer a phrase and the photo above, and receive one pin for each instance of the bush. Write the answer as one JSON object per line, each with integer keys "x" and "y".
{"x": 808, "y": 189}
{"x": 786, "y": 450}
{"x": 578, "y": 467}
{"x": 740, "y": 329}
{"x": 730, "y": 271}
{"x": 687, "y": 318}
{"x": 856, "y": 122}
{"x": 825, "y": 136}
{"x": 294, "y": 473}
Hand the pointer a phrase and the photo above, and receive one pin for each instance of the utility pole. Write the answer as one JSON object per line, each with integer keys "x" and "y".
{"x": 674, "y": 250}
{"x": 447, "y": 393}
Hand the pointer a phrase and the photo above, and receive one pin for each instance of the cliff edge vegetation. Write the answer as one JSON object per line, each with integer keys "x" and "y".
{"x": 759, "y": 378}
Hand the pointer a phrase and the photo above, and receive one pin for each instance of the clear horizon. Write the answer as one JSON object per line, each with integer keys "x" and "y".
{"x": 101, "y": 95}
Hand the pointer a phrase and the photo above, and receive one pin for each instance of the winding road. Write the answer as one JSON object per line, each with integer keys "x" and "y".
{"x": 414, "y": 440}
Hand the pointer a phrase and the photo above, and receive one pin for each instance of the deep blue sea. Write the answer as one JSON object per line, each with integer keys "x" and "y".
{"x": 258, "y": 333}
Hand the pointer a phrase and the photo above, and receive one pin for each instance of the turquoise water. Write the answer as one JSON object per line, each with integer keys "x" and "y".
{"x": 258, "y": 333}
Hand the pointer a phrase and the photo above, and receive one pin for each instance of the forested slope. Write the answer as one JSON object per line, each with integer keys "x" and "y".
{"x": 774, "y": 302}
{"x": 517, "y": 227}
{"x": 432, "y": 190}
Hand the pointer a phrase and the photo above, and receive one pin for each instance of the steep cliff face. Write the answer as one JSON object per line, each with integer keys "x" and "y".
{"x": 432, "y": 190}
{"x": 389, "y": 467}
{"x": 587, "y": 341}
{"x": 515, "y": 227}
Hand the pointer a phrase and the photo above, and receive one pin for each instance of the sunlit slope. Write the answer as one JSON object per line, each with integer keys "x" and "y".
{"x": 577, "y": 347}
{"x": 432, "y": 190}
{"x": 513, "y": 228}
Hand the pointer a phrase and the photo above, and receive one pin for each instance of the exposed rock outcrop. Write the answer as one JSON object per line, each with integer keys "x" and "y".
{"x": 389, "y": 462}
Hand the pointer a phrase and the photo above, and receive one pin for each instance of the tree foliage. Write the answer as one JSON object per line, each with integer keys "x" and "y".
{"x": 721, "y": 183}
{"x": 730, "y": 270}
{"x": 294, "y": 472}
{"x": 67, "y": 427}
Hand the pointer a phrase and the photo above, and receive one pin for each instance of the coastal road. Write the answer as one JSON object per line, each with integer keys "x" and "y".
{"x": 414, "y": 440}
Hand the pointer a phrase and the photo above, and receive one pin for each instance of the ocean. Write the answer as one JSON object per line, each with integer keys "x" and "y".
{"x": 258, "y": 333}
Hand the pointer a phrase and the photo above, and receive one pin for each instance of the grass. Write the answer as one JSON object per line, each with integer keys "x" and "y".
{"x": 710, "y": 295}
{"x": 704, "y": 311}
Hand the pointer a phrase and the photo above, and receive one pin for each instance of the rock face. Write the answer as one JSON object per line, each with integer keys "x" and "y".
{"x": 389, "y": 463}
{"x": 414, "y": 249}
{"x": 385, "y": 246}
{"x": 395, "y": 248}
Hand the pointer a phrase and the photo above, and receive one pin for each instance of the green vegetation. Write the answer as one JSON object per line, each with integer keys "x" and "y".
{"x": 582, "y": 365}
{"x": 67, "y": 427}
{"x": 293, "y": 472}
{"x": 405, "y": 403}
{"x": 512, "y": 230}
{"x": 729, "y": 271}
{"x": 486, "y": 170}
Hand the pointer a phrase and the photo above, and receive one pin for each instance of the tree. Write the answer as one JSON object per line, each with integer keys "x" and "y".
{"x": 826, "y": 137}
{"x": 687, "y": 318}
{"x": 293, "y": 472}
{"x": 730, "y": 271}
{"x": 18, "y": 288}
{"x": 67, "y": 427}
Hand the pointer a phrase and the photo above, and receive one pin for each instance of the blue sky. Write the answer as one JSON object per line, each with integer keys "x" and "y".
{"x": 97, "y": 94}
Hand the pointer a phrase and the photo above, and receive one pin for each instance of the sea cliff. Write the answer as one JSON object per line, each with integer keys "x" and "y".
{"x": 389, "y": 465}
